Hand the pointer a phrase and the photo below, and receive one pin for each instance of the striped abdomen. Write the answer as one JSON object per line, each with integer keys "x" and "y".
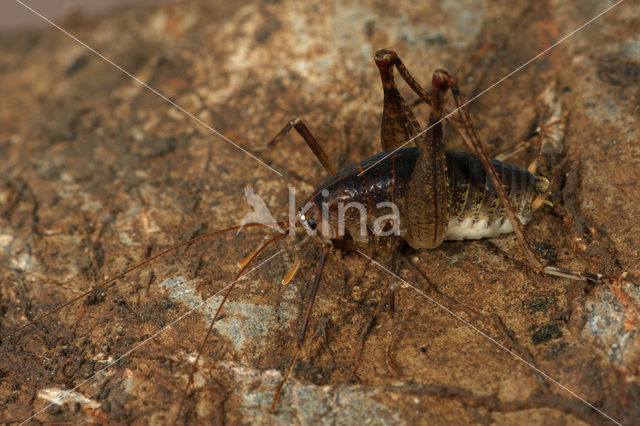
{"x": 474, "y": 207}
{"x": 474, "y": 210}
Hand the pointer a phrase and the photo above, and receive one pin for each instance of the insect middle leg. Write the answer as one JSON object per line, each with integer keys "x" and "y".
{"x": 305, "y": 323}
{"x": 386, "y": 301}
{"x": 311, "y": 141}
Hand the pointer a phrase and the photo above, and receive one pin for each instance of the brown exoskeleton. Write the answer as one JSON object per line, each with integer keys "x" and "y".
{"x": 440, "y": 194}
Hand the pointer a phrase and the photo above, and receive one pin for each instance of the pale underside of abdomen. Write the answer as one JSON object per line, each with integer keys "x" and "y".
{"x": 473, "y": 229}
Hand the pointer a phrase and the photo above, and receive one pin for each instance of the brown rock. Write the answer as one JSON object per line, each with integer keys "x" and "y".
{"x": 99, "y": 173}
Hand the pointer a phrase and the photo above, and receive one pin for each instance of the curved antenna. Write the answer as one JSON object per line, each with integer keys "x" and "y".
{"x": 138, "y": 266}
{"x": 245, "y": 265}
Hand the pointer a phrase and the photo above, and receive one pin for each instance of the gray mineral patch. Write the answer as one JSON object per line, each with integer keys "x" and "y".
{"x": 606, "y": 322}
{"x": 245, "y": 324}
{"x": 305, "y": 403}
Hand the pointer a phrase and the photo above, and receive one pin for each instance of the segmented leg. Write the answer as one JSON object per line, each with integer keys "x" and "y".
{"x": 537, "y": 263}
{"x": 217, "y": 315}
{"x": 472, "y": 140}
{"x": 398, "y": 124}
{"x": 535, "y": 140}
{"x": 464, "y": 72}
{"x": 548, "y": 136}
{"x": 397, "y": 113}
{"x": 303, "y": 131}
{"x": 472, "y": 316}
{"x": 518, "y": 148}
{"x": 305, "y": 323}
{"x": 426, "y": 210}
{"x": 389, "y": 300}
{"x": 471, "y": 65}
{"x": 366, "y": 330}
{"x": 391, "y": 294}
{"x": 469, "y": 135}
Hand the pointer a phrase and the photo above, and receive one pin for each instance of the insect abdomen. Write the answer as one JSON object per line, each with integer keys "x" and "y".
{"x": 474, "y": 207}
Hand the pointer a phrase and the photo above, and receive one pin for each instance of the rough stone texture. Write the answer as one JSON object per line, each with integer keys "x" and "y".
{"x": 98, "y": 173}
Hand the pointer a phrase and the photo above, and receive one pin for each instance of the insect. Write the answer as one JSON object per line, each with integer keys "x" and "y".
{"x": 403, "y": 177}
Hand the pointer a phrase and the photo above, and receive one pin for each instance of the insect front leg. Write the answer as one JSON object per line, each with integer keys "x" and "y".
{"x": 388, "y": 301}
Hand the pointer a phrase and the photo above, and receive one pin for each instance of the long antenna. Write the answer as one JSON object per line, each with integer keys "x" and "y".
{"x": 133, "y": 268}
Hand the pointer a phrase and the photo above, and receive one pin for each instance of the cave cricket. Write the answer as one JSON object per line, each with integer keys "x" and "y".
{"x": 440, "y": 195}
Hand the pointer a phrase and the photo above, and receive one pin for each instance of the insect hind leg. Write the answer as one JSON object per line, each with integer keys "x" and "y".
{"x": 540, "y": 265}
{"x": 466, "y": 129}
{"x": 398, "y": 125}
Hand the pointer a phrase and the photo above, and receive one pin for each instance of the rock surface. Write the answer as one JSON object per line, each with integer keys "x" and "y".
{"x": 99, "y": 173}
